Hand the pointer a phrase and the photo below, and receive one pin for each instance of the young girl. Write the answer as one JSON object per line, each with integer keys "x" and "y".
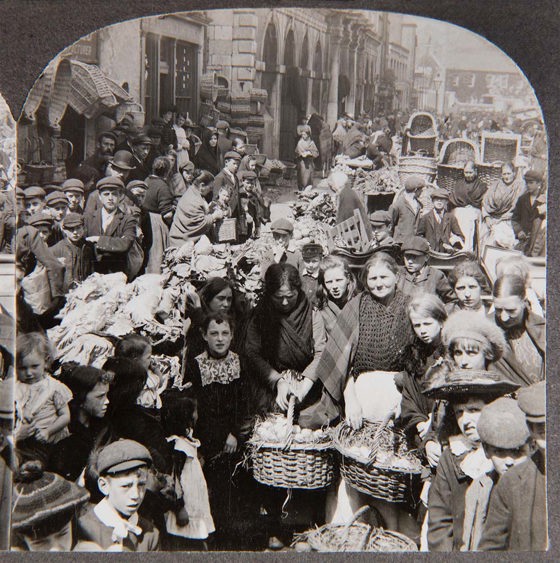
{"x": 42, "y": 412}
{"x": 469, "y": 283}
{"x": 138, "y": 347}
{"x": 218, "y": 385}
{"x": 192, "y": 520}
{"x": 427, "y": 314}
{"x": 337, "y": 286}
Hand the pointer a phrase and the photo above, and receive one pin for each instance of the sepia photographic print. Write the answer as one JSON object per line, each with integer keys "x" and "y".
{"x": 274, "y": 280}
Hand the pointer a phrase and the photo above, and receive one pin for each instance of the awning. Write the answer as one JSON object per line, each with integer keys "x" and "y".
{"x": 91, "y": 92}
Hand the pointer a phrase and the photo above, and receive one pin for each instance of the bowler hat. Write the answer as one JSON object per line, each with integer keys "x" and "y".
{"x": 502, "y": 424}
{"x": 380, "y": 217}
{"x": 73, "y": 185}
{"x": 311, "y": 250}
{"x": 440, "y": 193}
{"x": 232, "y": 155}
{"x": 122, "y": 455}
{"x": 40, "y": 219}
{"x": 73, "y": 220}
{"x": 123, "y": 160}
{"x": 35, "y": 191}
{"x": 282, "y": 226}
{"x": 56, "y": 197}
{"x": 532, "y": 401}
{"x": 415, "y": 245}
{"x": 533, "y": 176}
{"x": 110, "y": 182}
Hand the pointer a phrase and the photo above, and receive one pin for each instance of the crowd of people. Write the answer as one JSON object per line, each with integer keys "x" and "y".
{"x": 118, "y": 459}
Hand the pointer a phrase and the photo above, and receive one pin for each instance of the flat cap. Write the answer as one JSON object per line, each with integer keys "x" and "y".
{"x": 73, "y": 220}
{"x": 123, "y": 160}
{"x": 136, "y": 184}
{"x": 532, "y": 401}
{"x": 248, "y": 175}
{"x": 107, "y": 134}
{"x": 440, "y": 193}
{"x": 122, "y": 455}
{"x": 533, "y": 175}
{"x": 414, "y": 183}
{"x": 415, "y": 245}
{"x": 222, "y": 124}
{"x": 502, "y": 424}
{"x": 380, "y": 217}
{"x": 40, "y": 219}
{"x": 34, "y": 191}
{"x": 232, "y": 154}
{"x": 73, "y": 185}
{"x": 56, "y": 197}
{"x": 141, "y": 139}
{"x": 110, "y": 182}
{"x": 312, "y": 250}
{"x": 282, "y": 226}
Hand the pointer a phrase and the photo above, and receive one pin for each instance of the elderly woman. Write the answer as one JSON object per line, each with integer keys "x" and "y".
{"x": 90, "y": 388}
{"x": 192, "y": 218}
{"x": 524, "y": 358}
{"x": 498, "y": 205}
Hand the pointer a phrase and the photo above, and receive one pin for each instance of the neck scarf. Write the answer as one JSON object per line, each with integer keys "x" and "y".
{"x": 112, "y": 519}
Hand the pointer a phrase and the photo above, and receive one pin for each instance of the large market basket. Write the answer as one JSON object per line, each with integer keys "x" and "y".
{"x": 454, "y": 154}
{"x": 489, "y": 172}
{"x": 421, "y": 134}
{"x": 387, "y": 471}
{"x": 355, "y": 536}
{"x": 423, "y": 166}
{"x": 500, "y": 147}
{"x": 291, "y": 465}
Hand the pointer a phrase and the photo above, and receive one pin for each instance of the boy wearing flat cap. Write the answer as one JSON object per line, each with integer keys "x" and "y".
{"x": 74, "y": 252}
{"x": 312, "y": 254}
{"x": 228, "y": 177}
{"x": 34, "y": 199}
{"x": 111, "y": 230}
{"x": 255, "y": 203}
{"x": 43, "y": 222}
{"x": 283, "y": 250}
{"x": 504, "y": 437}
{"x": 57, "y": 206}
{"x": 517, "y": 515}
{"x": 406, "y": 209}
{"x": 114, "y": 523}
{"x": 440, "y": 228}
{"x": 74, "y": 190}
{"x": 418, "y": 277}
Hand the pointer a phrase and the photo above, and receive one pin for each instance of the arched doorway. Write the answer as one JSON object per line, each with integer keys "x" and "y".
{"x": 318, "y": 70}
{"x": 291, "y": 104}
{"x": 270, "y": 58}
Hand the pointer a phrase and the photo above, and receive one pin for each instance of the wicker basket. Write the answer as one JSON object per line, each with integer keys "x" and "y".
{"x": 428, "y": 145}
{"x": 417, "y": 166}
{"x": 89, "y": 90}
{"x": 293, "y": 466}
{"x": 448, "y": 176}
{"x": 488, "y": 173}
{"x": 458, "y": 152}
{"x": 422, "y": 124}
{"x": 500, "y": 147}
{"x": 371, "y": 477}
{"x": 381, "y": 540}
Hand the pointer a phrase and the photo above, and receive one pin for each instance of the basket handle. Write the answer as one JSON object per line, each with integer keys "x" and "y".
{"x": 349, "y": 524}
{"x": 377, "y": 435}
{"x": 290, "y": 420}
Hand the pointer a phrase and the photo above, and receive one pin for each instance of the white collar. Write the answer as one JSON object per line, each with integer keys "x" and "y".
{"x": 475, "y": 463}
{"x": 112, "y": 519}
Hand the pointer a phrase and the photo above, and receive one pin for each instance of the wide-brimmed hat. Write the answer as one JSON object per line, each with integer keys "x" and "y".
{"x": 450, "y": 383}
{"x": 470, "y": 324}
{"x": 40, "y": 495}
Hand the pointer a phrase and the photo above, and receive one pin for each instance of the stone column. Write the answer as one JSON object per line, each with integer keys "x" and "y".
{"x": 335, "y": 32}
{"x": 352, "y": 68}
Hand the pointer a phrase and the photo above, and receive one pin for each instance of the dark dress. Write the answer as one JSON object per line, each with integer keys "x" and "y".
{"x": 207, "y": 156}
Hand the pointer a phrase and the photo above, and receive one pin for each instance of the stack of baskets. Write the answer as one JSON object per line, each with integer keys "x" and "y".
{"x": 455, "y": 153}
{"x": 423, "y": 166}
{"x": 422, "y": 134}
{"x": 376, "y": 461}
{"x": 356, "y": 536}
{"x": 291, "y": 465}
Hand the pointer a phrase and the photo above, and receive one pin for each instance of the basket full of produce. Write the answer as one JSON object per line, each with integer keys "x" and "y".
{"x": 377, "y": 461}
{"x": 354, "y": 536}
{"x": 287, "y": 456}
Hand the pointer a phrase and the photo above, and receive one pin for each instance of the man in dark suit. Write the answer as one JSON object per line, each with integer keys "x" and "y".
{"x": 111, "y": 230}
{"x": 440, "y": 228}
{"x": 228, "y": 177}
{"x": 529, "y": 209}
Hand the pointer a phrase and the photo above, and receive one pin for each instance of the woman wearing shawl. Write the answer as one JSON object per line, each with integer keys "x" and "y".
{"x": 207, "y": 156}
{"x": 498, "y": 205}
{"x": 306, "y": 153}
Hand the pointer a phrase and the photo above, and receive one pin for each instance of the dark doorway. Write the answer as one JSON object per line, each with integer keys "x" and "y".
{"x": 291, "y": 92}
{"x": 72, "y": 128}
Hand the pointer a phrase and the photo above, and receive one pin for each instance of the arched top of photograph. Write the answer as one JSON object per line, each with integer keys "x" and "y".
{"x": 249, "y": 237}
